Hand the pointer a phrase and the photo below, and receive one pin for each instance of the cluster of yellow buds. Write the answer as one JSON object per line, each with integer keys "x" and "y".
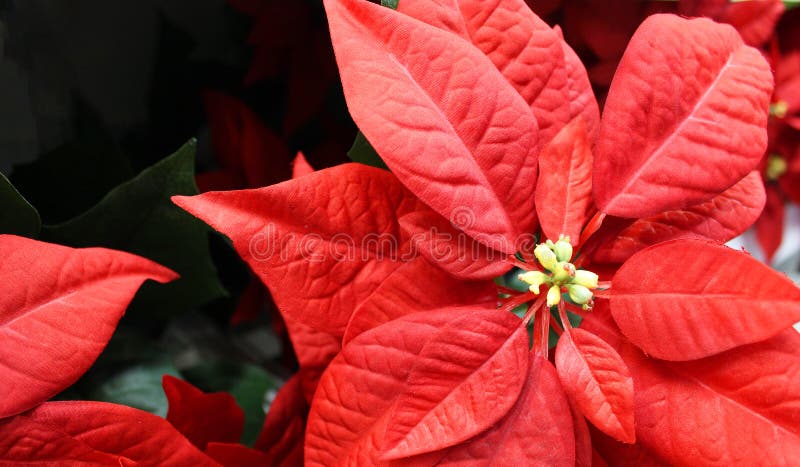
{"x": 560, "y": 273}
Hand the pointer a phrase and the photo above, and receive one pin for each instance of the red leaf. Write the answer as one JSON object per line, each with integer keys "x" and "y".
{"x": 536, "y": 432}
{"x": 351, "y": 407}
{"x": 442, "y": 243}
{"x": 769, "y": 227}
{"x": 282, "y": 435}
{"x": 59, "y": 432}
{"x": 687, "y": 299}
{"x": 583, "y": 438}
{"x": 418, "y": 286}
{"x": 314, "y": 349}
{"x": 222, "y": 419}
{"x": 581, "y": 96}
{"x": 300, "y": 166}
{"x": 564, "y": 189}
{"x": 528, "y": 53}
{"x": 444, "y": 402}
{"x": 58, "y": 309}
{"x": 321, "y": 243}
{"x": 698, "y": 413}
{"x": 684, "y": 120}
{"x": 476, "y": 132}
{"x": 721, "y": 218}
{"x": 755, "y": 20}
{"x": 612, "y": 452}
{"x": 237, "y": 455}
{"x": 596, "y": 379}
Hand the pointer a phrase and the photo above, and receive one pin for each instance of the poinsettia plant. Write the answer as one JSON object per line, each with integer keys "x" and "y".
{"x": 399, "y": 286}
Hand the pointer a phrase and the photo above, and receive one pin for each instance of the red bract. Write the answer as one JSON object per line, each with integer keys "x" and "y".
{"x": 430, "y": 371}
{"x": 58, "y": 309}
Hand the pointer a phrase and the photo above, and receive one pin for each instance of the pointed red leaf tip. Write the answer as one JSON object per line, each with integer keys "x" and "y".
{"x": 321, "y": 243}
{"x": 300, "y": 166}
{"x": 453, "y": 392}
{"x": 688, "y": 299}
{"x": 769, "y": 227}
{"x": 58, "y": 309}
{"x": 564, "y": 188}
{"x": 722, "y": 218}
{"x": 698, "y": 412}
{"x": 97, "y": 433}
{"x": 598, "y": 381}
{"x": 537, "y": 431}
{"x": 454, "y": 133}
{"x": 222, "y": 419}
{"x": 684, "y": 120}
{"x": 237, "y": 455}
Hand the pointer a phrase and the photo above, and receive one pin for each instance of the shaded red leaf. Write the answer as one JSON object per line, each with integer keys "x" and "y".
{"x": 537, "y": 431}
{"x": 237, "y": 455}
{"x": 314, "y": 350}
{"x": 71, "y": 430}
{"x": 352, "y": 405}
{"x": 58, "y": 309}
{"x": 699, "y": 412}
{"x": 755, "y": 20}
{"x": 722, "y": 218}
{"x": 583, "y": 438}
{"x": 222, "y": 419}
{"x": 769, "y": 227}
{"x": 615, "y": 453}
{"x": 283, "y": 432}
{"x": 300, "y": 166}
{"x": 314, "y": 241}
{"x": 405, "y": 292}
{"x": 442, "y": 243}
{"x": 581, "y": 96}
{"x": 683, "y": 138}
{"x": 445, "y": 398}
{"x": 480, "y": 137}
{"x": 596, "y": 379}
{"x": 687, "y": 299}
{"x": 564, "y": 188}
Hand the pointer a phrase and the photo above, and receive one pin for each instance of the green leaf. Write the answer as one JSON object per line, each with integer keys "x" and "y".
{"x": 364, "y": 153}
{"x": 138, "y": 386}
{"x": 252, "y": 387}
{"x": 73, "y": 177}
{"x": 17, "y": 216}
{"x": 139, "y": 217}
{"x": 389, "y": 3}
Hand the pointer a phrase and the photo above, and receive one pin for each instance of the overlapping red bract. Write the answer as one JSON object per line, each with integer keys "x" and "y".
{"x": 58, "y": 309}
{"x": 435, "y": 92}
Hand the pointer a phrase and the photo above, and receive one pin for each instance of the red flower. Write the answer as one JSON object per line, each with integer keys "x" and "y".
{"x": 466, "y": 118}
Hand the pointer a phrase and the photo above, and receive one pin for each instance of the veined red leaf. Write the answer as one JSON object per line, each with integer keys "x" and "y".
{"x": 618, "y": 454}
{"x": 769, "y": 227}
{"x": 58, "y": 309}
{"x": 314, "y": 350}
{"x": 442, "y": 243}
{"x": 282, "y": 435}
{"x": 684, "y": 120}
{"x": 454, "y": 391}
{"x": 478, "y": 135}
{"x": 536, "y": 432}
{"x": 221, "y": 420}
{"x": 698, "y": 412}
{"x": 721, "y": 219}
{"x": 321, "y": 243}
{"x": 405, "y": 292}
{"x": 687, "y": 299}
{"x": 237, "y": 455}
{"x": 564, "y": 188}
{"x": 528, "y": 52}
{"x": 597, "y": 380}
{"x": 581, "y": 96}
{"x": 352, "y": 405}
{"x": 84, "y": 431}
{"x": 300, "y": 166}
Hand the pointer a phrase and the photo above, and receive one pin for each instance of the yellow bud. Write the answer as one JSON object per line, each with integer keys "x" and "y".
{"x": 553, "y": 295}
{"x": 535, "y": 279}
{"x": 563, "y": 272}
{"x": 563, "y": 249}
{"x": 546, "y": 256}
{"x": 779, "y": 109}
{"x": 579, "y": 294}
{"x": 585, "y": 278}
